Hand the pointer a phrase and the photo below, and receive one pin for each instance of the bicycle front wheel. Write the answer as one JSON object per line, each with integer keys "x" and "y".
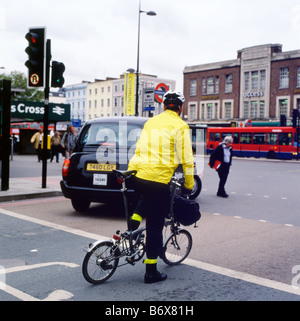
{"x": 100, "y": 263}
{"x": 177, "y": 247}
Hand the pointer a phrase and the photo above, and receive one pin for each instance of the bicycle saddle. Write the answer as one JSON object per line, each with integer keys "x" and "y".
{"x": 124, "y": 174}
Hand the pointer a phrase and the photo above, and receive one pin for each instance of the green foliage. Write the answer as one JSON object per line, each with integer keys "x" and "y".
{"x": 19, "y": 80}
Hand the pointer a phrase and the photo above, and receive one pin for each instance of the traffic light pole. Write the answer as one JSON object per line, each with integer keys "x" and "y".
{"x": 5, "y": 97}
{"x": 46, "y": 115}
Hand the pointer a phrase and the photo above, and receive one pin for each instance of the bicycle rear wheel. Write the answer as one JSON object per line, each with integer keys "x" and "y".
{"x": 177, "y": 247}
{"x": 100, "y": 263}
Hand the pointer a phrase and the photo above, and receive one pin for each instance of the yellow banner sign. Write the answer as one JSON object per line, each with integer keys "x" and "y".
{"x": 129, "y": 99}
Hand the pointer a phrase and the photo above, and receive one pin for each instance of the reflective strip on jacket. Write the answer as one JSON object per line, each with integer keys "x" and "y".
{"x": 164, "y": 144}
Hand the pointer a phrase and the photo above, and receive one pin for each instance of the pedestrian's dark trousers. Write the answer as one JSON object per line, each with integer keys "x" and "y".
{"x": 223, "y": 172}
{"x": 154, "y": 205}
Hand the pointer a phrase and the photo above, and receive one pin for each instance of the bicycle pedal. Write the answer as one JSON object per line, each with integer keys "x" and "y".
{"x": 130, "y": 261}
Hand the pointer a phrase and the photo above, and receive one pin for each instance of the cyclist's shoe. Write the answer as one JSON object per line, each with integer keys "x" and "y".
{"x": 155, "y": 277}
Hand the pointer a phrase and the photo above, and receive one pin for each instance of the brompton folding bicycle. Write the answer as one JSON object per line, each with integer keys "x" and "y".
{"x": 103, "y": 257}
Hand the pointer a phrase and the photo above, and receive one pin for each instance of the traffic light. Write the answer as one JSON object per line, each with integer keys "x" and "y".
{"x": 295, "y": 117}
{"x": 36, "y": 55}
{"x": 57, "y": 79}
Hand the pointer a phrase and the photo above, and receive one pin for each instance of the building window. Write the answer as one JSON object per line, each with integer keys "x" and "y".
{"x": 193, "y": 87}
{"x": 254, "y": 78}
{"x": 210, "y": 85}
{"x": 209, "y": 111}
{"x": 203, "y": 85}
{"x": 262, "y": 109}
{"x": 262, "y": 79}
{"x": 192, "y": 112}
{"x": 298, "y": 77}
{"x": 283, "y": 107}
{"x": 228, "y": 83}
{"x": 116, "y": 102}
{"x": 217, "y": 85}
{"x": 246, "y": 109}
{"x": 284, "y": 78}
{"x": 254, "y": 105}
{"x": 247, "y": 80}
{"x": 228, "y": 110}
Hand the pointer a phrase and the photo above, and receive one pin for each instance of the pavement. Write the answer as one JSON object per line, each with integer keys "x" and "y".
{"x": 21, "y": 188}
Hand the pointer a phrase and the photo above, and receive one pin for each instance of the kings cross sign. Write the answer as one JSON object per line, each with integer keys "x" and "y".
{"x": 35, "y": 111}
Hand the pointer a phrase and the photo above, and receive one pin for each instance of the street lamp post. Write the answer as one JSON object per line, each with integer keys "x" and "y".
{"x": 149, "y": 13}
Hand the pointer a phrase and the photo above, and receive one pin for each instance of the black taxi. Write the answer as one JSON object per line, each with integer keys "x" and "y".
{"x": 104, "y": 144}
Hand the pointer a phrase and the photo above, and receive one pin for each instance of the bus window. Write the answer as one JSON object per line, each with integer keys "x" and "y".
{"x": 285, "y": 139}
{"x": 217, "y": 137}
{"x": 246, "y": 138}
{"x": 226, "y": 134}
{"x": 272, "y": 138}
{"x": 259, "y": 138}
{"x": 211, "y": 137}
{"x": 236, "y": 138}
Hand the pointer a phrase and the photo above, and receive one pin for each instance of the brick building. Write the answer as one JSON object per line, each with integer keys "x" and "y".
{"x": 263, "y": 83}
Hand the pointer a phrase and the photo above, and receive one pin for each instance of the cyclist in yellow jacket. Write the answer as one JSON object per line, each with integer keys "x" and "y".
{"x": 164, "y": 144}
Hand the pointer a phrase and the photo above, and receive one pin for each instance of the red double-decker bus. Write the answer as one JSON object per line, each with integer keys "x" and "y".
{"x": 269, "y": 142}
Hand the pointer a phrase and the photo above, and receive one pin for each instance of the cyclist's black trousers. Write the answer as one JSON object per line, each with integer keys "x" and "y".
{"x": 154, "y": 205}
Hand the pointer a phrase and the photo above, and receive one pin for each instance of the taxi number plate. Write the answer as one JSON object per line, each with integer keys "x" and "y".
{"x": 100, "y": 179}
{"x": 100, "y": 167}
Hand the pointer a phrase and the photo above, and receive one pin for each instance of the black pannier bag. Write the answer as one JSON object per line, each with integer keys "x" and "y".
{"x": 186, "y": 211}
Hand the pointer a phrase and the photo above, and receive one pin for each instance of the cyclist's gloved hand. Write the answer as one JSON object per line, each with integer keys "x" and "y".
{"x": 185, "y": 192}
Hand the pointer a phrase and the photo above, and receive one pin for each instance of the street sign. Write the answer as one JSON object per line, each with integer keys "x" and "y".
{"x": 148, "y": 97}
{"x": 160, "y": 90}
{"x": 149, "y": 108}
{"x": 76, "y": 122}
{"x": 36, "y": 110}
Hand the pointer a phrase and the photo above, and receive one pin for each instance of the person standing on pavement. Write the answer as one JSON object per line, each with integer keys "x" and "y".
{"x": 55, "y": 143}
{"x": 36, "y": 139}
{"x": 69, "y": 141}
{"x": 164, "y": 143}
{"x": 222, "y": 154}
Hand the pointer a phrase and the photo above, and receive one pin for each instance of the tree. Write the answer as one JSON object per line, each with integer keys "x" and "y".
{"x": 19, "y": 80}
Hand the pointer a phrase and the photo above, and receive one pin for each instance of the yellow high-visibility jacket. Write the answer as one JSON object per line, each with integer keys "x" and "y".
{"x": 164, "y": 144}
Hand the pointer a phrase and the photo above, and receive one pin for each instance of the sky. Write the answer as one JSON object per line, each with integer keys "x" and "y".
{"x": 96, "y": 39}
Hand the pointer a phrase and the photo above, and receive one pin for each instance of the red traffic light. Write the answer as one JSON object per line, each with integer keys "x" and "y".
{"x": 32, "y": 37}
{"x": 36, "y": 56}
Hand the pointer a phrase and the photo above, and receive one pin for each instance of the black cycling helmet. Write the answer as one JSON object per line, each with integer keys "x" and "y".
{"x": 173, "y": 98}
